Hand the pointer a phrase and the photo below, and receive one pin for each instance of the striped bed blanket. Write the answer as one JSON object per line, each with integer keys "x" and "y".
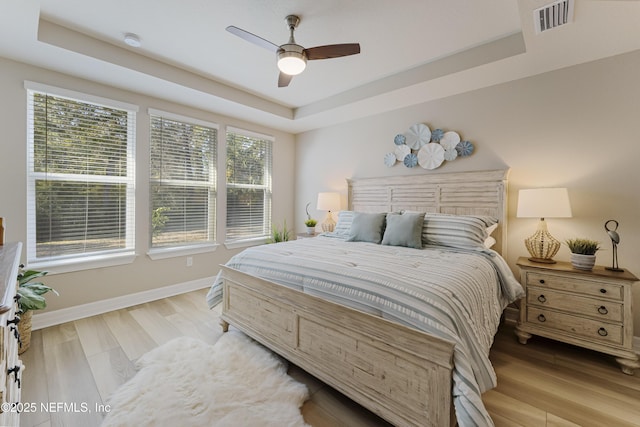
{"x": 454, "y": 294}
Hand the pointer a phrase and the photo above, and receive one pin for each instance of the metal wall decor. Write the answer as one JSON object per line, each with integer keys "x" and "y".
{"x": 615, "y": 239}
{"x": 429, "y": 149}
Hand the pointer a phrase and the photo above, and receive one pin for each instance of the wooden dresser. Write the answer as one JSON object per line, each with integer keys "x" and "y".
{"x": 591, "y": 309}
{"x": 10, "y": 365}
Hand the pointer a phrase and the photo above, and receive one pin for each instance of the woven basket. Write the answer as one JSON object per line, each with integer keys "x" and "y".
{"x": 24, "y": 328}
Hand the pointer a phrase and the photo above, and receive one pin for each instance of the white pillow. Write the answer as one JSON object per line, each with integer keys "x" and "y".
{"x": 489, "y": 242}
{"x": 343, "y": 226}
{"x": 458, "y": 231}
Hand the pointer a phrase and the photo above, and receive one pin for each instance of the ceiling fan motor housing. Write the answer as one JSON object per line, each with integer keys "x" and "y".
{"x": 292, "y": 59}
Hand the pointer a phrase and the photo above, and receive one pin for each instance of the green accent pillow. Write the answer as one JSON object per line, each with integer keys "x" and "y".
{"x": 366, "y": 227}
{"x": 404, "y": 230}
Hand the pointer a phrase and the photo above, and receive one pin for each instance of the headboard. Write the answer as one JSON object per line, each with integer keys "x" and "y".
{"x": 459, "y": 193}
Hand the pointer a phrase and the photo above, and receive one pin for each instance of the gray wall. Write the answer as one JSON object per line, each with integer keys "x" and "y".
{"x": 577, "y": 127}
{"x": 143, "y": 274}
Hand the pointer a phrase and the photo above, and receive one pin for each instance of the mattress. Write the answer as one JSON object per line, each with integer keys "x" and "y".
{"x": 455, "y": 294}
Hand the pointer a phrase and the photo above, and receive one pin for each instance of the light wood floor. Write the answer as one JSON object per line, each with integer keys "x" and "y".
{"x": 541, "y": 384}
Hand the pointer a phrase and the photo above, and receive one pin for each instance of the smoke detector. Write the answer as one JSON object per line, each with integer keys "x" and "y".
{"x": 553, "y": 15}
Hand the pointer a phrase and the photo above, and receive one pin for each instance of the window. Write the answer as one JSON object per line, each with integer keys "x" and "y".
{"x": 80, "y": 175}
{"x": 248, "y": 185}
{"x": 183, "y": 180}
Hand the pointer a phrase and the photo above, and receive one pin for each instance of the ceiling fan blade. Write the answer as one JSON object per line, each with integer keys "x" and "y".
{"x": 252, "y": 38}
{"x": 332, "y": 51}
{"x": 284, "y": 79}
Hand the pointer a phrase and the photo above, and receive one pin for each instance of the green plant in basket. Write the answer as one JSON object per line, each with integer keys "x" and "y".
{"x": 32, "y": 293}
{"x": 31, "y": 297}
{"x": 583, "y": 246}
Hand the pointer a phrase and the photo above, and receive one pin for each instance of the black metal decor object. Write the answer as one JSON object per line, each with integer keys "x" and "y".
{"x": 615, "y": 239}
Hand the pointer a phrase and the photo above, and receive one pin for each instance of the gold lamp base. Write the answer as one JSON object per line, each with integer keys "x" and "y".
{"x": 542, "y": 260}
{"x": 542, "y": 246}
{"x": 329, "y": 224}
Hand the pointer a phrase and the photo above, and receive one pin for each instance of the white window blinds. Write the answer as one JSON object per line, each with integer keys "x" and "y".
{"x": 249, "y": 160}
{"x": 183, "y": 180}
{"x": 80, "y": 175}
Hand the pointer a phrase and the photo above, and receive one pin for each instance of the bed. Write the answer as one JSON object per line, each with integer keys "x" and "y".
{"x": 413, "y": 349}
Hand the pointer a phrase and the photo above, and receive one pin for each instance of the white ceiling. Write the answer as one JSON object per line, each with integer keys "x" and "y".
{"x": 412, "y": 50}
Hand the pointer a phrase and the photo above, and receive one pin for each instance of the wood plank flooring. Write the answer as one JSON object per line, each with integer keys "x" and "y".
{"x": 543, "y": 383}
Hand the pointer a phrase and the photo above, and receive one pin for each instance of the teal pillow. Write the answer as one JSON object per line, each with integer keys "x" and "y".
{"x": 404, "y": 230}
{"x": 366, "y": 227}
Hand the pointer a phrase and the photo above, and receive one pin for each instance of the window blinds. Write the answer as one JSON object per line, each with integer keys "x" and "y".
{"x": 80, "y": 176}
{"x": 249, "y": 161}
{"x": 183, "y": 181}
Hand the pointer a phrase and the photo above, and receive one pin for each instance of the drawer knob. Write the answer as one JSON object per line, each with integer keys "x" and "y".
{"x": 541, "y": 318}
{"x": 603, "y": 310}
{"x": 603, "y": 332}
{"x": 542, "y": 298}
{"x": 603, "y": 291}
{"x": 541, "y": 281}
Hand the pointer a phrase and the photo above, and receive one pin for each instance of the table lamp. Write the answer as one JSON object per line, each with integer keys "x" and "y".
{"x": 543, "y": 203}
{"x": 328, "y": 202}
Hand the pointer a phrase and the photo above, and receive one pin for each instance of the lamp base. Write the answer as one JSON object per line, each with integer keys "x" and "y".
{"x": 542, "y": 260}
{"x": 329, "y": 224}
{"x": 542, "y": 246}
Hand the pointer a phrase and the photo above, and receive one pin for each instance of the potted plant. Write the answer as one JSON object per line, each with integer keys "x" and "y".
{"x": 583, "y": 253}
{"x": 279, "y": 235}
{"x": 310, "y": 222}
{"x": 311, "y": 226}
{"x": 31, "y": 297}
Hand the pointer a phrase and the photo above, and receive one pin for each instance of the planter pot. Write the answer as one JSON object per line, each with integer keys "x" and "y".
{"x": 311, "y": 231}
{"x": 24, "y": 329}
{"x": 583, "y": 262}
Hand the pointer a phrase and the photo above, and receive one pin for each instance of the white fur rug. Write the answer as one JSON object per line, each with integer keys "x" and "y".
{"x": 186, "y": 382}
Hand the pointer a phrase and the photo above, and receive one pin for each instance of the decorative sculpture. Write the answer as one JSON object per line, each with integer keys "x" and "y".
{"x": 615, "y": 239}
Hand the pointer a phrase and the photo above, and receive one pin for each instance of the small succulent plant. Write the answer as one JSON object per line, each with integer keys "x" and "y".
{"x": 583, "y": 246}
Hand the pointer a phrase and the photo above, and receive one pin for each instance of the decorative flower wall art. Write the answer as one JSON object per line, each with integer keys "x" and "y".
{"x": 429, "y": 149}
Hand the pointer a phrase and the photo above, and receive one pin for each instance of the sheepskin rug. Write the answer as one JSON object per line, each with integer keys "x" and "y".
{"x": 186, "y": 382}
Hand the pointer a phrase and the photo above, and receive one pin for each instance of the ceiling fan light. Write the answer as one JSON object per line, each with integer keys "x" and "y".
{"x": 291, "y": 63}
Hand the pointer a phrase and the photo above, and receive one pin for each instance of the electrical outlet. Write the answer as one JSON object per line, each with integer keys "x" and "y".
{"x": 189, "y": 261}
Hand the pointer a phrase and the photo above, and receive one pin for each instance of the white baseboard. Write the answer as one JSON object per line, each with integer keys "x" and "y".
{"x": 57, "y": 317}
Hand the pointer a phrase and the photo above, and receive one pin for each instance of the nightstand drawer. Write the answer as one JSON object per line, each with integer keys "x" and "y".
{"x": 597, "y": 309}
{"x": 580, "y": 286}
{"x": 590, "y": 329}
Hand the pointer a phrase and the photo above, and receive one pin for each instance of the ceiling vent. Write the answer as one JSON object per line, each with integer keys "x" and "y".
{"x": 553, "y": 15}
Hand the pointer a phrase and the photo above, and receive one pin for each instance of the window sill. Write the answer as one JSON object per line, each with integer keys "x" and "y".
{"x": 86, "y": 263}
{"x": 235, "y": 244}
{"x": 164, "y": 253}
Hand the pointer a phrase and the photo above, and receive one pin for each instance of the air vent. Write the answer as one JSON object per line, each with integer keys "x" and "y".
{"x": 553, "y": 15}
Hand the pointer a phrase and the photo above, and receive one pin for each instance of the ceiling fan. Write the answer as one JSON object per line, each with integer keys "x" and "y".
{"x": 292, "y": 58}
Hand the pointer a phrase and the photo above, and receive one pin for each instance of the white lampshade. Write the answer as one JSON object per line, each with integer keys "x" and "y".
{"x": 544, "y": 203}
{"x": 291, "y": 62}
{"x": 328, "y": 202}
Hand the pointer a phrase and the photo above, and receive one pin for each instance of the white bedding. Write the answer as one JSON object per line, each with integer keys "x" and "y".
{"x": 455, "y": 294}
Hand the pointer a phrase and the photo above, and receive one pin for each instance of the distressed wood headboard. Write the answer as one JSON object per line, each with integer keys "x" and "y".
{"x": 459, "y": 193}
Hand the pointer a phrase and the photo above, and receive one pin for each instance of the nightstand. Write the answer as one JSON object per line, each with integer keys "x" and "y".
{"x": 591, "y": 309}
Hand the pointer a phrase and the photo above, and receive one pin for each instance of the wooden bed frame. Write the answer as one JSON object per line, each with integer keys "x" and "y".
{"x": 402, "y": 374}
